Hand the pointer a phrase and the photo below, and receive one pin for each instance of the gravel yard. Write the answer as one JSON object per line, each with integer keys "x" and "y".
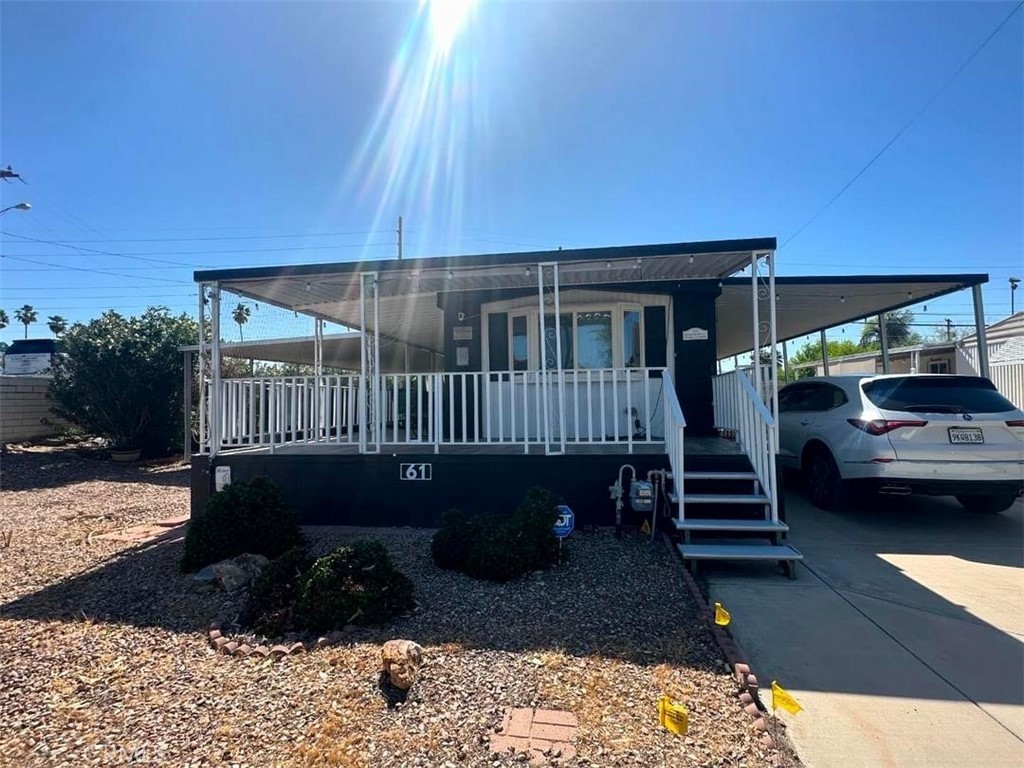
{"x": 105, "y": 661}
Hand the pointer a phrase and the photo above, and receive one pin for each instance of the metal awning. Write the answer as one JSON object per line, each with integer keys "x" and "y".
{"x": 807, "y": 305}
{"x": 409, "y": 288}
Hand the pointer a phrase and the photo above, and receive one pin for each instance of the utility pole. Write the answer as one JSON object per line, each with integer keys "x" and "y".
{"x": 399, "y": 238}
{"x": 949, "y": 329}
{"x": 1014, "y": 282}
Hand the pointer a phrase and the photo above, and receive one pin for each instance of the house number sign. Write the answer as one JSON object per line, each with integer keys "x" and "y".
{"x": 415, "y": 471}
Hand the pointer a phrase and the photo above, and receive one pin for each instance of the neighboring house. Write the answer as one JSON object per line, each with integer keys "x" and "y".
{"x": 1005, "y": 342}
{"x": 479, "y": 376}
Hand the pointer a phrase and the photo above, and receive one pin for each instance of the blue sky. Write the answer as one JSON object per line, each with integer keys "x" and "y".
{"x": 222, "y": 134}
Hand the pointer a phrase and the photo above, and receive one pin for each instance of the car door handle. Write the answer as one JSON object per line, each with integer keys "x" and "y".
{"x": 805, "y": 423}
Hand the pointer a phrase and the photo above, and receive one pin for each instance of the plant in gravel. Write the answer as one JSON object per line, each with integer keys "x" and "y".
{"x": 246, "y": 516}
{"x": 270, "y": 605}
{"x": 500, "y": 548}
{"x": 356, "y": 583}
{"x": 120, "y": 378}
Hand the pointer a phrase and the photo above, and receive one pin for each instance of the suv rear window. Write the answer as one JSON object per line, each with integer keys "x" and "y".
{"x": 937, "y": 394}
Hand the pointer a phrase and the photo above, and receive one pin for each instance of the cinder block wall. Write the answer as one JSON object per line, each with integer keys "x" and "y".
{"x": 23, "y": 407}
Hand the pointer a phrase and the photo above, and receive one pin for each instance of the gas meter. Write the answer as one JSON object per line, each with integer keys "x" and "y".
{"x": 641, "y": 495}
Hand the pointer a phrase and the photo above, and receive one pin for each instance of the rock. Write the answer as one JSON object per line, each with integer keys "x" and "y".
{"x": 251, "y": 564}
{"x": 205, "y": 575}
{"x": 401, "y": 662}
{"x": 230, "y": 577}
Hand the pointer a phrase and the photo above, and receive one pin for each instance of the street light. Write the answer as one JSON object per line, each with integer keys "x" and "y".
{"x": 1013, "y": 289}
{"x": 19, "y": 206}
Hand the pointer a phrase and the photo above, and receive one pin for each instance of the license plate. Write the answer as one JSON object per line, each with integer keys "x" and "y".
{"x": 966, "y": 435}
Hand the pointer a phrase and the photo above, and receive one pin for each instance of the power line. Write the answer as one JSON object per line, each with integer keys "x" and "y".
{"x": 906, "y": 125}
{"x": 223, "y": 237}
{"x": 87, "y": 269}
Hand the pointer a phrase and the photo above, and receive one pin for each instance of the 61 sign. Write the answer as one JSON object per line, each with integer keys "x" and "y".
{"x": 415, "y": 471}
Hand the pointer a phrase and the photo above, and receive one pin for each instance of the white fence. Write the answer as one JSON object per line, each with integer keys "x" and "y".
{"x": 740, "y": 409}
{"x": 526, "y": 408}
{"x": 1007, "y": 374}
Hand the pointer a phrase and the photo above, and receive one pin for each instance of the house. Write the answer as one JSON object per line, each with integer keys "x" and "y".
{"x": 474, "y": 377}
{"x": 1004, "y": 341}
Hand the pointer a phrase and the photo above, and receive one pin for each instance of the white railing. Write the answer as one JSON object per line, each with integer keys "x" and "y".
{"x": 526, "y": 408}
{"x": 739, "y": 409}
{"x": 675, "y": 428}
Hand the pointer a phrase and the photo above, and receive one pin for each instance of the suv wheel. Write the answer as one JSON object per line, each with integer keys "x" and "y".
{"x": 824, "y": 483}
{"x": 988, "y": 505}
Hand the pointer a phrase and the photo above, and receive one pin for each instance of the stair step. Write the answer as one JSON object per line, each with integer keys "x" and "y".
{"x": 692, "y": 524}
{"x": 725, "y": 498}
{"x": 719, "y": 476}
{"x": 772, "y": 552}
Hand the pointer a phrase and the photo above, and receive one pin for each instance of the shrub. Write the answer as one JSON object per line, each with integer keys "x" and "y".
{"x": 356, "y": 583}
{"x": 120, "y": 378}
{"x": 244, "y": 517}
{"x": 500, "y": 549}
{"x": 270, "y": 606}
{"x": 451, "y": 545}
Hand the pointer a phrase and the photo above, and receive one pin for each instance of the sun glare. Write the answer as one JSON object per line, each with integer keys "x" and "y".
{"x": 447, "y": 18}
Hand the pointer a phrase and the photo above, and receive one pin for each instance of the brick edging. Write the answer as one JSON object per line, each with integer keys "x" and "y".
{"x": 226, "y": 646}
{"x": 734, "y": 655}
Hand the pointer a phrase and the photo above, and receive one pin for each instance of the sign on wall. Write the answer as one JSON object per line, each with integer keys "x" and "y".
{"x": 418, "y": 471}
{"x": 695, "y": 334}
{"x": 462, "y": 356}
{"x": 221, "y": 478}
{"x": 462, "y": 333}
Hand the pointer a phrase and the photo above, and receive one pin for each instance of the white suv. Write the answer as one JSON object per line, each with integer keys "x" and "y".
{"x": 933, "y": 434}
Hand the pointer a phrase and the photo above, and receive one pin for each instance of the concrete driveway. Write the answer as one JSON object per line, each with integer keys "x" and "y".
{"x": 903, "y": 637}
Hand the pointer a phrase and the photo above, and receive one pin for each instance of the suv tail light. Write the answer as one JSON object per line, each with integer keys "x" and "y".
{"x": 1015, "y": 423}
{"x": 884, "y": 426}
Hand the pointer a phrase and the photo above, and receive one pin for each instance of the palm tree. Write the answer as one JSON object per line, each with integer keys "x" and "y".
{"x": 897, "y": 329}
{"x": 4, "y": 320}
{"x": 57, "y": 325}
{"x": 240, "y": 315}
{"x": 26, "y": 315}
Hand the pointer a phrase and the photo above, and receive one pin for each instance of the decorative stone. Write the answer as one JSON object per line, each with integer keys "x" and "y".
{"x": 401, "y": 662}
{"x": 229, "y": 576}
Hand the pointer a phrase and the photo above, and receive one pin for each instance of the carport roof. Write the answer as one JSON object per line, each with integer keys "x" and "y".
{"x": 808, "y": 304}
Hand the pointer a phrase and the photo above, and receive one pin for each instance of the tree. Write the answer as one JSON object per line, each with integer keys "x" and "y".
{"x": 811, "y": 353}
{"x": 898, "y": 328}
{"x": 240, "y": 315}
{"x": 26, "y": 315}
{"x": 57, "y": 325}
{"x": 4, "y": 320}
{"x": 120, "y": 378}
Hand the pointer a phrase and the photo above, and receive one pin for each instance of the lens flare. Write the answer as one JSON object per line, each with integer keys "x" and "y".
{"x": 415, "y": 157}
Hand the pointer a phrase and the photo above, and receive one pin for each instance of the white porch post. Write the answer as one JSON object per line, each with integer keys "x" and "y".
{"x": 203, "y": 351}
{"x": 774, "y": 340}
{"x": 378, "y": 395}
{"x": 979, "y": 329}
{"x": 824, "y": 354}
{"x": 558, "y": 355}
{"x": 542, "y": 379}
{"x": 215, "y": 399}
{"x": 883, "y": 335}
{"x": 785, "y": 359}
{"x": 362, "y": 409}
{"x": 756, "y": 356}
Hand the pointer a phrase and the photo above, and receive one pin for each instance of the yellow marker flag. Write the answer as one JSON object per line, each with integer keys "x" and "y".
{"x": 722, "y": 617}
{"x": 780, "y": 698}
{"x": 646, "y": 528}
{"x": 674, "y": 717}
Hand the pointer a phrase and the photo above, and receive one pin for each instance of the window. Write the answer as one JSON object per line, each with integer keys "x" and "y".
{"x": 938, "y": 366}
{"x": 594, "y": 335}
{"x": 520, "y": 344}
{"x": 551, "y": 341}
{"x": 949, "y": 394}
{"x": 632, "y": 354}
{"x": 598, "y": 337}
{"x": 810, "y": 398}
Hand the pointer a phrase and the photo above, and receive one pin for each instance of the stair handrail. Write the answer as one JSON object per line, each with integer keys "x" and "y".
{"x": 758, "y": 434}
{"x": 675, "y": 429}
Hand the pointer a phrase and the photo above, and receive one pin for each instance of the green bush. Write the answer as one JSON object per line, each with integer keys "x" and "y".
{"x": 450, "y": 546}
{"x": 120, "y": 378}
{"x": 270, "y": 606}
{"x": 353, "y": 584}
{"x": 499, "y": 549}
{"x": 244, "y": 517}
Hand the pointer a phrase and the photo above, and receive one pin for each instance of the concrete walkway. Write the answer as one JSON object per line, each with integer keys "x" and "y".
{"x": 903, "y": 638}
